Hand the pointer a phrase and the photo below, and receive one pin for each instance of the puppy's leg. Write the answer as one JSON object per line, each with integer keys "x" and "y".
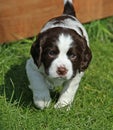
{"x": 68, "y": 93}
{"x": 38, "y": 86}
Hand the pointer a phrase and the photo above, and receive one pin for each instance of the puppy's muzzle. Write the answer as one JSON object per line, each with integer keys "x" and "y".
{"x": 62, "y": 71}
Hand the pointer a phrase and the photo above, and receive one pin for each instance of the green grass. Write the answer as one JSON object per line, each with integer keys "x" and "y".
{"x": 93, "y": 105}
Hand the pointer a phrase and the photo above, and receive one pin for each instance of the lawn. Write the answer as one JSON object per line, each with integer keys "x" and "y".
{"x": 93, "y": 105}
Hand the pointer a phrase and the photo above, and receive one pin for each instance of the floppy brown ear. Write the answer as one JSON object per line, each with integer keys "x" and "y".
{"x": 36, "y": 49}
{"x": 86, "y": 58}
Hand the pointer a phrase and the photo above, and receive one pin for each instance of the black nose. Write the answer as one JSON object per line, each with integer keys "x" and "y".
{"x": 61, "y": 71}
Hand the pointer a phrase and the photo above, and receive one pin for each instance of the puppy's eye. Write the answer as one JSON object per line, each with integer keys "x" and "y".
{"x": 52, "y": 53}
{"x": 72, "y": 56}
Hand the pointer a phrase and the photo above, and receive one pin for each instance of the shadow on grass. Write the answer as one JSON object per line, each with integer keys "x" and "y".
{"x": 16, "y": 89}
{"x": 16, "y": 85}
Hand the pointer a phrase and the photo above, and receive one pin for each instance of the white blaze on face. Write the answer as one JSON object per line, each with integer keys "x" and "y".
{"x": 64, "y": 43}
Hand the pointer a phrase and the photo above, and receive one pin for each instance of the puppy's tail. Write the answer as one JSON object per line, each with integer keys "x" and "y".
{"x": 69, "y": 8}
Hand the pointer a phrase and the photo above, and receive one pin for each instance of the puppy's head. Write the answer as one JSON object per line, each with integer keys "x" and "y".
{"x": 62, "y": 52}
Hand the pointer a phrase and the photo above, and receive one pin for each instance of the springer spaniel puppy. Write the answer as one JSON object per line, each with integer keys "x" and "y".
{"x": 60, "y": 55}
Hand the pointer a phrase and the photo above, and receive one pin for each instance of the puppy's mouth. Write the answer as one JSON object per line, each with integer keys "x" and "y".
{"x": 59, "y": 75}
{"x": 56, "y": 76}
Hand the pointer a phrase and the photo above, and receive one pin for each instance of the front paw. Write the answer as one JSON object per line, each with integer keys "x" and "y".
{"x": 63, "y": 102}
{"x": 42, "y": 101}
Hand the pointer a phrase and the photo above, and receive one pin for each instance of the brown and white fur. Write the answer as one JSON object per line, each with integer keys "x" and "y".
{"x": 60, "y": 55}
